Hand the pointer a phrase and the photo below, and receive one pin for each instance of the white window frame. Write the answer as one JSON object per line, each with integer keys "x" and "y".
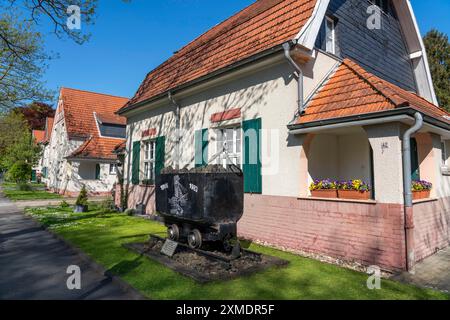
{"x": 113, "y": 168}
{"x": 149, "y": 159}
{"x": 222, "y": 144}
{"x": 331, "y": 50}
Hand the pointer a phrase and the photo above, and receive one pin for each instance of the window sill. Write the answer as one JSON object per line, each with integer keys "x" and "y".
{"x": 424, "y": 200}
{"x": 339, "y": 200}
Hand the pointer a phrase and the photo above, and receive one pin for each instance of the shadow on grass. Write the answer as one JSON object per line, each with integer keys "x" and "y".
{"x": 124, "y": 267}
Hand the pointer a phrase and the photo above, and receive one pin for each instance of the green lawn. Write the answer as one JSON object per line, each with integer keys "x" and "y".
{"x": 101, "y": 236}
{"x": 37, "y": 192}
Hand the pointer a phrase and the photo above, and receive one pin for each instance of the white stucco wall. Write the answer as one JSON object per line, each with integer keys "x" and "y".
{"x": 385, "y": 140}
{"x": 83, "y": 173}
{"x": 340, "y": 157}
{"x": 268, "y": 93}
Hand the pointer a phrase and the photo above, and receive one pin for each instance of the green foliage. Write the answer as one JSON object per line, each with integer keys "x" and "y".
{"x": 16, "y": 141}
{"x": 438, "y": 51}
{"x": 22, "y": 63}
{"x": 82, "y": 199}
{"x": 20, "y": 172}
{"x": 64, "y": 204}
{"x": 129, "y": 212}
{"x": 107, "y": 206}
{"x": 24, "y": 187}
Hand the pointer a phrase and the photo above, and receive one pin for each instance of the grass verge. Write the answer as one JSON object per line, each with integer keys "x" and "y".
{"x": 36, "y": 192}
{"x": 101, "y": 236}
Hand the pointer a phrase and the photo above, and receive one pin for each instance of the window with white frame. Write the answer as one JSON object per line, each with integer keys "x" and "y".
{"x": 113, "y": 168}
{"x": 330, "y": 35}
{"x": 229, "y": 140}
{"x": 149, "y": 160}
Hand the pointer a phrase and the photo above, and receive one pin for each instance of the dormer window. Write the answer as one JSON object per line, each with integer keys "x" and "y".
{"x": 330, "y": 35}
{"x": 109, "y": 127}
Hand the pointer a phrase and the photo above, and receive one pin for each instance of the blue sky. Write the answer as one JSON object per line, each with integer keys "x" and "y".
{"x": 130, "y": 39}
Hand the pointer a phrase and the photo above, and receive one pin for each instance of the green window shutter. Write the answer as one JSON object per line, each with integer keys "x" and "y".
{"x": 136, "y": 160}
{"x": 252, "y": 156}
{"x": 97, "y": 171}
{"x": 201, "y": 148}
{"x": 160, "y": 154}
{"x": 415, "y": 170}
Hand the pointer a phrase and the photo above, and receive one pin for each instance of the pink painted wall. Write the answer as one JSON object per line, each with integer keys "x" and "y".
{"x": 139, "y": 194}
{"x": 432, "y": 227}
{"x": 371, "y": 234}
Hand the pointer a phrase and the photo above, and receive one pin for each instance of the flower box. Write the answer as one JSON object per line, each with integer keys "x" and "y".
{"x": 423, "y": 194}
{"x": 354, "y": 194}
{"x": 324, "y": 193}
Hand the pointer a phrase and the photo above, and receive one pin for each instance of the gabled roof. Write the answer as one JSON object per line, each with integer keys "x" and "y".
{"x": 48, "y": 128}
{"x": 97, "y": 148}
{"x": 79, "y": 107}
{"x": 261, "y": 26}
{"x": 352, "y": 91}
{"x": 38, "y": 136}
{"x": 80, "y": 110}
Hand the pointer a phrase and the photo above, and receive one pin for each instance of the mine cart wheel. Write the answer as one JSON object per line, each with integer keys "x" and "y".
{"x": 173, "y": 232}
{"x": 195, "y": 239}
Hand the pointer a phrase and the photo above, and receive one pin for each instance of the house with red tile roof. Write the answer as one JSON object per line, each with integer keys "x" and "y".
{"x": 301, "y": 93}
{"x": 80, "y": 141}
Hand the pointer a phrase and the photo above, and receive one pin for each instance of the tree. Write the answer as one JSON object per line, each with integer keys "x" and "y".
{"x": 22, "y": 64}
{"x": 56, "y": 12}
{"x": 438, "y": 50}
{"x": 16, "y": 141}
{"x": 20, "y": 172}
{"x": 36, "y": 113}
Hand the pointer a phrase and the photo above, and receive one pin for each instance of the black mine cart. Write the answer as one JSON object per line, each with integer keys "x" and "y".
{"x": 202, "y": 204}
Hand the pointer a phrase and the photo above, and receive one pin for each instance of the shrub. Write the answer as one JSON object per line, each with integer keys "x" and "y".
{"x": 20, "y": 172}
{"x": 64, "y": 204}
{"x": 24, "y": 187}
{"x": 129, "y": 212}
{"x": 357, "y": 185}
{"x": 107, "y": 206}
{"x": 82, "y": 199}
{"x": 421, "y": 185}
{"x": 326, "y": 184}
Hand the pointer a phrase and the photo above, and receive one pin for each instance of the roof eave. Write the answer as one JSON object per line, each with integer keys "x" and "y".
{"x": 408, "y": 111}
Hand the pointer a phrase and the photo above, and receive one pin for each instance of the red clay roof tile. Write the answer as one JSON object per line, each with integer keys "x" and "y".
{"x": 97, "y": 148}
{"x": 38, "y": 136}
{"x": 259, "y": 27}
{"x": 79, "y": 107}
{"x": 351, "y": 90}
{"x": 48, "y": 129}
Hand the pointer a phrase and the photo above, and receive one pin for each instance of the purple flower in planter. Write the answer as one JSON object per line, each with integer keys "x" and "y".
{"x": 421, "y": 185}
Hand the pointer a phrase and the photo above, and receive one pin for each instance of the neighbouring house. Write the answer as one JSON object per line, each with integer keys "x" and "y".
{"x": 297, "y": 91}
{"x": 45, "y": 153}
{"x": 37, "y": 170}
{"x": 84, "y": 132}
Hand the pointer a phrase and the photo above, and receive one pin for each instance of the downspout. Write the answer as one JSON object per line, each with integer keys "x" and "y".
{"x": 407, "y": 180}
{"x": 177, "y": 130}
{"x": 287, "y": 53}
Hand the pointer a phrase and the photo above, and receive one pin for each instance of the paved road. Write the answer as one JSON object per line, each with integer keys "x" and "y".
{"x": 33, "y": 264}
